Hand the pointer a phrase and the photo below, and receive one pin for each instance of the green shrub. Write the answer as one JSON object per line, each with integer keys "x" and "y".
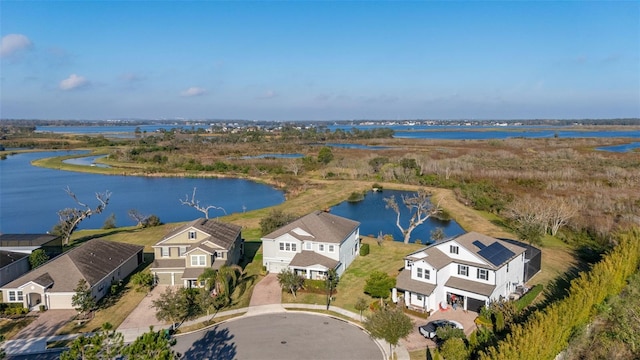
{"x": 355, "y": 197}
{"x": 364, "y": 249}
{"x": 528, "y": 298}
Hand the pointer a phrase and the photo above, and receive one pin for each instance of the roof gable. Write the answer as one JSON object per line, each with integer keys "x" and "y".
{"x": 221, "y": 234}
{"x": 320, "y": 225}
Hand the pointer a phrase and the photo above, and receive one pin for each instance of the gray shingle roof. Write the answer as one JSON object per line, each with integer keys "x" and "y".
{"x": 309, "y": 258}
{"x": 325, "y": 227}
{"x": 471, "y": 286}
{"x": 404, "y": 282}
{"x": 91, "y": 261}
{"x": 469, "y": 241}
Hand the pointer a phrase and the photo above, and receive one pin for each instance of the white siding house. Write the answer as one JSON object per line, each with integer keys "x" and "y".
{"x": 465, "y": 272}
{"x": 312, "y": 245}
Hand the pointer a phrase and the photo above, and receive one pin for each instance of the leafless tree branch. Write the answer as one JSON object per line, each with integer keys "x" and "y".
{"x": 196, "y": 204}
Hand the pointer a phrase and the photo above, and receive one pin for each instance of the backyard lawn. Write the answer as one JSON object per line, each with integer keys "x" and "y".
{"x": 387, "y": 258}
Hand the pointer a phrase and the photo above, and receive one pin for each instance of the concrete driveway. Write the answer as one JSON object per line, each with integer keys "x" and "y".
{"x": 267, "y": 291}
{"x": 415, "y": 341}
{"x": 143, "y": 316}
{"x": 47, "y": 324}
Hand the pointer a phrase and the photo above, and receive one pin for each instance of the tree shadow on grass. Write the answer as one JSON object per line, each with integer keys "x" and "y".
{"x": 216, "y": 344}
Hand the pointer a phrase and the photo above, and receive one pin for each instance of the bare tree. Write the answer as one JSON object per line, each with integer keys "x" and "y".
{"x": 559, "y": 214}
{"x": 420, "y": 208}
{"x": 70, "y": 218}
{"x": 138, "y": 217}
{"x": 294, "y": 166}
{"x": 196, "y": 204}
{"x": 529, "y": 217}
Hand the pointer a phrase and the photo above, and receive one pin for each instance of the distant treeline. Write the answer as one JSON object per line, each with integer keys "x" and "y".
{"x": 320, "y": 124}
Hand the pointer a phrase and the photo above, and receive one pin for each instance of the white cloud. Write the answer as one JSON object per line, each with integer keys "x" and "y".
{"x": 131, "y": 77}
{"x": 193, "y": 91}
{"x": 269, "y": 94}
{"x": 73, "y": 82}
{"x": 13, "y": 43}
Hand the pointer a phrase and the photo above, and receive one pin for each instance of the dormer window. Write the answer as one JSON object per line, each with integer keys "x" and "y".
{"x": 453, "y": 249}
{"x": 192, "y": 235}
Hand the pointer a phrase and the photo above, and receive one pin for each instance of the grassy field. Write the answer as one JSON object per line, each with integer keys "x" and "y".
{"x": 387, "y": 258}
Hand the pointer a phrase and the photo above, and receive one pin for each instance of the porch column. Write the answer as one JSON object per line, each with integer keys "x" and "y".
{"x": 308, "y": 273}
{"x": 394, "y": 295}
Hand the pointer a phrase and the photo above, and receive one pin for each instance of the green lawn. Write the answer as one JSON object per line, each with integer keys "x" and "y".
{"x": 388, "y": 258}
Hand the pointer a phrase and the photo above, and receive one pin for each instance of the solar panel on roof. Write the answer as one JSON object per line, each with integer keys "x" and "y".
{"x": 496, "y": 253}
{"x": 478, "y": 244}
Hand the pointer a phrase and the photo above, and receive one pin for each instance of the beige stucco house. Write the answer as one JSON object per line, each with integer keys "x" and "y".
{"x": 183, "y": 254}
{"x": 100, "y": 263}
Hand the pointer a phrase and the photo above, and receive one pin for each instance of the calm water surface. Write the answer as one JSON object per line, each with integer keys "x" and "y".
{"x": 30, "y": 197}
{"x": 374, "y": 217}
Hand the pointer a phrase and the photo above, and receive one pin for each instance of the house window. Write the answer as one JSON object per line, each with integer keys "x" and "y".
{"x": 192, "y": 235}
{"x": 463, "y": 270}
{"x": 507, "y": 267}
{"x": 286, "y": 246}
{"x": 182, "y": 250}
{"x": 308, "y": 245}
{"x": 419, "y": 297}
{"x": 165, "y": 251}
{"x": 198, "y": 260}
{"x": 332, "y": 248}
{"x": 419, "y": 272}
{"x": 427, "y": 274}
{"x": 483, "y": 274}
{"x": 453, "y": 249}
{"x": 15, "y": 296}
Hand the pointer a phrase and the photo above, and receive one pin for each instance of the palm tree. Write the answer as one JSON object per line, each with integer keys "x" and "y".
{"x": 222, "y": 281}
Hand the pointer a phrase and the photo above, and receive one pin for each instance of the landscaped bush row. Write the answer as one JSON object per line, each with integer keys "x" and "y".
{"x": 13, "y": 309}
{"x": 547, "y": 332}
{"x": 527, "y": 298}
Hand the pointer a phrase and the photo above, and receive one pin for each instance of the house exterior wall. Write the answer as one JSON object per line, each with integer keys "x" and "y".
{"x": 199, "y": 254}
{"x": 183, "y": 237}
{"x": 14, "y": 270}
{"x": 506, "y": 281}
{"x": 348, "y": 250}
{"x": 235, "y": 252}
{"x": 462, "y": 255}
{"x": 273, "y": 258}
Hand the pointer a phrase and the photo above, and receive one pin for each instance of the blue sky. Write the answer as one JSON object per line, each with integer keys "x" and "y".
{"x": 328, "y": 60}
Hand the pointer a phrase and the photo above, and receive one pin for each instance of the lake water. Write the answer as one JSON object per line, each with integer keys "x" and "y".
{"x": 30, "y": 196}
{"x": 449, "y": 132}
{"x": 442, "y": 132}
{"x": 375, "y": 217}
{"x": 621, "y": 148}
{"x": 86, "y": 161}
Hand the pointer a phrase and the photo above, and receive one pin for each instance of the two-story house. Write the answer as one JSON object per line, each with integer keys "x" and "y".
{"x": 312, "y": 244}
{"x": 464, "y": 272}
{"x": 183, "y": 254}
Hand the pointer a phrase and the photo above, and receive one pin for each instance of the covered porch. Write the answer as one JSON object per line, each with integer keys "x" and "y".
{"x": 312, "y": 265}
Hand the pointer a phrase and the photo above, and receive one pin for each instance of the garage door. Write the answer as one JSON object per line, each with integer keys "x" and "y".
{"x": 276, "y": 267}
{"x": 474, "y": 304}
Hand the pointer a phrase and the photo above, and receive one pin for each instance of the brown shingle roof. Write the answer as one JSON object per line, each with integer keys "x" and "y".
{"x": 221, "y": 234}
{"x": 168, "y": 263}
{"x": 91, "y": 261}
{"x": 404, "y": 282}
{"x": 471, "y": 286}
{"x": 309, "y": 258}
{"x": 324, "y": 227}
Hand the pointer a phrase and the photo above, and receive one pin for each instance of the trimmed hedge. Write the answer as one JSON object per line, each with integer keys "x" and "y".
{"x": 528, "y": 298}
{"x": 364, "y": 249}
{"x": 547, "y": 332}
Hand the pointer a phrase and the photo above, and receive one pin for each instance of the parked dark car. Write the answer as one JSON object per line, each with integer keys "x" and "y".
{"x": 429, "y": 330}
